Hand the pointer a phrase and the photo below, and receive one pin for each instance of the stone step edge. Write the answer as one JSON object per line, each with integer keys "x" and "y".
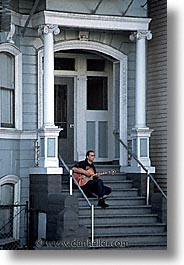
{"x": 119, "y": 198}
{"x": 120, "y": 215}
{"x": 130, "y": 235}
{"x": 114, "y": 189}
{"x": 111, "y": 207}
{"x": 128, "y": 225}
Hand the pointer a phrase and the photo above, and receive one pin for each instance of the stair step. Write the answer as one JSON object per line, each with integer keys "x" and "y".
{"x": 116, "y": 210}
{"x": 135, "y": 238}
{"x": 104, "y": 229}
{"x": 119, "y": 218}
{"x": 148, "y": 246}
{"x": 127, "y": 219}
{"x": 124, "y": 184}
{"x": 116, "y": 176}
{"x": 116, "y": 192}
{"x": 102, "y": 168}
{"x": 124, "y": 192}
{"x": 127, "y": 201}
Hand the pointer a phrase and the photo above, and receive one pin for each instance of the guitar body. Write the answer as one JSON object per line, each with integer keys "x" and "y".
{"x": 83, "y": 179}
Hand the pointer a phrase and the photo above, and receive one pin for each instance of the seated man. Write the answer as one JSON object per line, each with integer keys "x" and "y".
{"x": 83, "y": 172}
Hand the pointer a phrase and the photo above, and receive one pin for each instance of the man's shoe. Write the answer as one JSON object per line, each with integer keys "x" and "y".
{"x": 102, "y": 203}
{"x": 105, "y": 197}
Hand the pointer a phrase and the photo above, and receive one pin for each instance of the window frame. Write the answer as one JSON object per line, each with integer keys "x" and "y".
{"x": 14, "y": 51}
{"x": 16, "y": 182}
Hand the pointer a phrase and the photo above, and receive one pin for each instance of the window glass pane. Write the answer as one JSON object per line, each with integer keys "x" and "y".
{"x": 7, "y": 194}
{"x": 6, "y": 214}
{"x": 64, "y": 64}
{"x": 97, "y": 98}
{"x": 91, "y": 135}
{"x": 60, "y": 108}
{"x": 95, "y": 65}
{"x": 7, "y": 87}
{"x": 7, "y": 107}
{"x": 7, "y": 70}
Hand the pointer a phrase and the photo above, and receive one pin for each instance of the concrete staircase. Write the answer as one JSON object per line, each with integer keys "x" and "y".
{"x": 127, "y": 222}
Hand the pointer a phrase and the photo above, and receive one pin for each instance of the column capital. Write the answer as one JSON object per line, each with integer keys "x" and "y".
{"x": 140, "y": 34}
{"x": 48, "y": 28}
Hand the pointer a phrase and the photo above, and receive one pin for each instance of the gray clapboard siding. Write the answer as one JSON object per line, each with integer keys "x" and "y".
{"x": 25, "y": 6}
{"x": 117, "y": 41}
{"x": 157, "y": 88}
{"x": 106, "y": 38}
{"x": 9, "y": 157}
{"x": 94, "y": 36}
{"x": 29, "y": 80}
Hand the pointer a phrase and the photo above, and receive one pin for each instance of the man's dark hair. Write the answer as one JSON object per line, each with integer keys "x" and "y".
{"x": 88, "y": 152}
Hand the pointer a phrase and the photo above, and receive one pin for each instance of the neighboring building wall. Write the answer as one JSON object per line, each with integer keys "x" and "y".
{"x": 157, "y": 88}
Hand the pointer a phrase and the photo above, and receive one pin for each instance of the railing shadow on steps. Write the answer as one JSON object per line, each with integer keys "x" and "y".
{"x": 149, "y": 176}
{"x": 72, "y": 179}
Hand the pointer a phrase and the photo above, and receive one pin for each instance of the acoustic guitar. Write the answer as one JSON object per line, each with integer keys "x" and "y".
{"x": 83, "y": 179}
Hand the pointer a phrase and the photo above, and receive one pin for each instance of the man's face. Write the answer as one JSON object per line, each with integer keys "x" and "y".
{"x": 91, "y": 157}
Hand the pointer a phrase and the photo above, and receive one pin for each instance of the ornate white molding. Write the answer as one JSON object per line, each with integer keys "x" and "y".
{"x": 91, "y": 21}
{"x": 141, "y": 34}
{"x": 84, "y": 35}
{"x": 82, "y": 21}
{"x": 49, "y": 28}
{"x": 11, "y": 34}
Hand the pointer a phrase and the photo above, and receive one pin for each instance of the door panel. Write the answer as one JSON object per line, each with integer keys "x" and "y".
{"x": 98, "y": 117}
{"x": 64, "y": 116}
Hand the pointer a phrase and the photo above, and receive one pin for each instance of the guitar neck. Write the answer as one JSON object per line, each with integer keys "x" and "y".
{"x": 100, "y": 174}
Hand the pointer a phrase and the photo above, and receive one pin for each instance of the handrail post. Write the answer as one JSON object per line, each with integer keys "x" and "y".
{"x": 72, "y": 179}
{"x": 147, "y": 189}
{"x": 27, "y": 223}
{"x": 70, "y": 182}
{"x": 149, "y": 176}
{"x": 92, "y": 224}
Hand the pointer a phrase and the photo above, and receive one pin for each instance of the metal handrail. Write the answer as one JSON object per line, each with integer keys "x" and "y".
{"x": 149, "y": 176}
{"x": 83, "y": 194}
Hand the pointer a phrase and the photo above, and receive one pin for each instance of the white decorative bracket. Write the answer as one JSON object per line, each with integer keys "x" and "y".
{"x": 140, "y": 34}
{"x": 11, "y": 34}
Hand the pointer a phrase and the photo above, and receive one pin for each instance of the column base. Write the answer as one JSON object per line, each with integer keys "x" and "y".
{"x": 140, "y": 146}
{"x": 48, "y": 139}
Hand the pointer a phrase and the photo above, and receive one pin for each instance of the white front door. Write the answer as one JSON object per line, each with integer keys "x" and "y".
{"x": 94, "y": 109}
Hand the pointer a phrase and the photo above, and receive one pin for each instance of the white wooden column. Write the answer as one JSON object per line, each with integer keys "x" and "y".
{"x": 141, "y": 133}
{"x": 140, "y": 113}
{"x": 48, "y": 97}
{"x": 48, "y": 135}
